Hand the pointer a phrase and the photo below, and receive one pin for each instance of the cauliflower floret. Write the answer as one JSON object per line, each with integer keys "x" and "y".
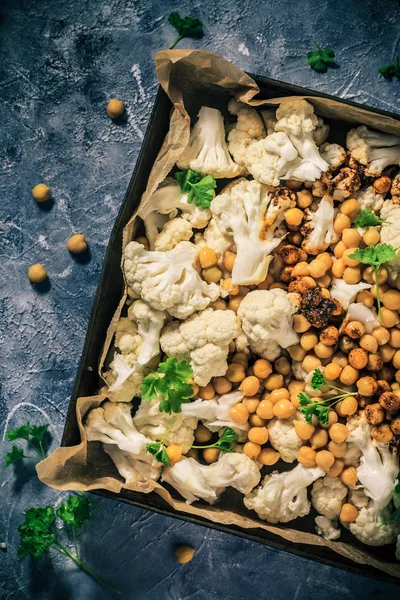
{"x": 267, "y": 160}
{"x": 283, "y": 437}
{"x": 358, "y": 498}
{"x": 214, "y": 238}
{"x": 345, "y": 292}
{"x": 173, "y": 232}
{"x": 207, "y": 152}
{"x": 352, "y": 456}
{"x": 267, "y": 321}
{"x": 124, "y": 379}
{"x": 248, "y": 128}
{"x": 214, "y": 414}
{"x": 130, "y": 468}
{"x": 327, "y": 496}
{"x": 168, "y": 280}
{"x": 346, "y": 183}
{"x": 248, "y": 214}
{"x": 203, "y": 340}
{"x": 298, "y": 371}
{"x": 194, "y": 480}
{"x": 318, "y": 229}
{"x": 327, "y": 529}
{"x": 369, "y": 198}
{"x": 321, "y": 132}
{"x": 127, "y": 338}
{"x": 334, "y": 155}
{"x": 373, "y": 527}
{"x": 390, "y": 232}
{"x": 373, "y": 148}
{"x": 395, "y": 189}
{"x": 282, "y": 497}
{"x": 269, "y": 118}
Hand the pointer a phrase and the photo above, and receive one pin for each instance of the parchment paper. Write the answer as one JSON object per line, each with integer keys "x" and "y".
{"x": 184, "y": 74}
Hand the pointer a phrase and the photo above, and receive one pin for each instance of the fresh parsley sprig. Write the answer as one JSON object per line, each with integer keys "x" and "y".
{"x": 225, "y": 442}
{"x": 320, "y": 406}
{"x": 321, "y": 58}
{"x": 200, "y": 190}
{"x": 38, "y": 532}
{"x": 375, "y": 256}
{"x": 34, "y": 435}
{"x": 392, "y": 70}
{"x": 186, "y": 27}
{"x": 171, "y": 382}
{"x": 369, "y": 219}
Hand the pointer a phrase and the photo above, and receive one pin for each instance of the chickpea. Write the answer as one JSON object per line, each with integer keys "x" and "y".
{"x": 227, "y": 285}
{"x": 324, "y": 282}
{"x": 256, "y": 421}
{"x": 354, "y": 329}
{"x": 174, "y": 452}
{"x": 369, "y": 343}
{"x": 303, "y": 429}
{"x": 251, "y": 404}
{"x": 284, "y": 409}
{"x": 279, "y": 394}
{"x": 374, "y": 413}
{"x": 371, "y": 237}
{"x": 332, "y": 371}
{"x": 219, "y": 304}
{"x": 306, "y": 456}
{"x": 184, "y": 554}
{"x": 282, "y": 366}
{"x": 332, "y": 418}
{"x": 395, "y": 339}
{"x": 338, "y": 450}
{"x": 297, "y": 353}
{"x": 341, "y": 223}
{"x": 232, "y": 347}
{"x": 234, "y": 303}
{"x": 348, "y": 513}
{"x": 300, "y": 323}
{"x": 383, "y": 386}
{"x": 250, "y": 386}
{"x": 77, "y": 243}
{"x": 115, "y": 108}
{"x": 41, "y": 192}
{"x": 311, "y": 362}
{"x": 319, "y": 438}
{"x": 389, "y": 401}
{"x": 235, "y": 373}
{"x": 251, "y": 450}
{"x": 265, "y": 409}
{"x": 338, "y": 432}
{"x": 300, "y": 270}
{"x": 202, "y": 434}
{"x": 308, "y": 340}
{"x": 350, "y": 262}
{"x": 241, "y": 358}
{"x": 358, "y": 358}
{"x": 211, "y": 455}
{"x": 350, "y": 207}
{"x": 144, "y": 241}
{"x": 396, "y": 360}
{"x": 339, "y": 251}
{"x": 341, "y": 360}
{"x": 295, "y": 386}
{"x": 382, "y": 433}
{"x": 293, "y": 185}
{"x": 207, "y": 392}
{"x": 262, "y": 368}
{"x": 258, "y": 435}
{"x": 390, "y": 318}
{"x": 336, "y": 468}
{"x": 229, "y": 260}
{"x": 317, "y": 268}
{"x": 349, "y": 406}
{"x": 383, "y": 275}
{"x": 382, "y": 184}
{"x": 295, "y": 237}
{"x": 277, "y": 285}
{"x": 323, "y": 351}
{"x": 375, "y": 362}
{"x": 367, "y": 275}
{"x": 366, "y": 298}
{"x": 268, "y": 457}
{"x": 367, "y": 386}
{"x": 349, "y": 476}
{"x": 338, "y": 268}
{"x": 324, "y": 460}
{"x": 349, "y": 375}
{"x": 352, "y": 275}
{"x": 304, "y": 199}
{"x": 37, "y": 273}
{"x": 239, "y": 413}
{"x": 294, "y": 216}
{"x": 212, "y": 274}
{"x": 207, "y": 257}
{"x": 222, "y": 385}
{"x": 351, "y": 238}
{"x": 195, "y": 390}
{"x": 395, "y": 426}
{"x": 273, "y": 382}
{"x": 391, "y": 299}
{"x": 387, "y": 352}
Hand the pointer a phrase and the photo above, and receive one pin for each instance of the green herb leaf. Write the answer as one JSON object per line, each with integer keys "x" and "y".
{"x": 151, "y": 387}
{"x": 320, "y": 59}
{"x": 171, "y": 382}
{"x": 186, "y": 178}
{"x": 368, "y": 219}
{"x": 37, "y": 532}
{"x": 226, "y": 441}
{"x": 157, "y": 449}
{"x": 392, "y": 70}
{"x": 317, "y": 380}
{"x": 309, "y": 407}
{"x": 200, "y": 190}
{"x": 20, "y": 433}
{"x": 75, "y": 511}
{"x": 186, "y": 27}
{"x": 321, "y": 411}
{"x": 38, "y": 431}
{"x": 15, "y": 455}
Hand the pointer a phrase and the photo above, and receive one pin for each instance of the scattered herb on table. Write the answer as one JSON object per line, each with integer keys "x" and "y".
{"x": 171, "y": 382}
{"x": 200, "y": 190}
{"x": 34, "y": 435}
{"x": 38, "y": 532}
{"x": 225, "y": 442}
{"x": 321, "y": 58}
{"x": 320, "y": 406}
{"x": 375, "y": 256}
{"x": 368, "y": 219}
{"x": 186, "y": 27}
{"x": 392, "y": 70}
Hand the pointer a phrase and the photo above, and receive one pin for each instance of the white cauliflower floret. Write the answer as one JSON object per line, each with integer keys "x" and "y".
{"x": 207, "y": 152}
{"x": 282, "y": 497}
{"x": 149, "y": 323}
{"x": 203, "y": 340}
{"x": 283, "y": 437}
{"x": 214, "y": 238}
{"x": 327, "y": 529}
{"x": 334, "y": 155}
{"x": 127, "y": 338}
{"x": 358, "y": 498}
{"x": 194, "y": 480}
{"x": 352, "y": 456}
{"x": 357, "y": 311}
{"x": 214, "y": 414}
{"x": 390, "y": 231}
{"x": 168, "y": 280}
{"x": 345, "y": 292}
{"x": 375, "y": 149}
{"x": 155, "y": 424}
{"x": 267, "y": 321}
{"x": 373, "y": 526}
{"x": 369, "y": 198}
{"x": 318, "y": 228}
{"x": 174, "y": 231}
{"x": 321, "y": 132}
{"x": 248, "y": 214}
{"x": 248, "y": 128}
{"x": 298, "y": 371}
{"x": 269, "y": 118}
{"x": 130, "y": 468}
{"x": 124, "y": 379}
{"x": 328, "y": 495}
{"x": 267, "y": 160}
{"x": 164, "y": 204}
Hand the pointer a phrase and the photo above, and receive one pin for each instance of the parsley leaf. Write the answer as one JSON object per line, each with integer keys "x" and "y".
{"x": 34, "y": 435}
{"x": 15, "y": 455}
{"x": 75, "y": 511}
{"x": 186, "y": 27}
{"x": 171, "y": 382}
{"x": 200, "y": 190}
{"x": 225, "y": 442}
{"x": 157, "y": 449}
{"x": 368, "y": 219}
{"x": 309, "y": 407}
{"x": 320, "y": 59}
{"x": 317, "y": 380}
{"x": 392, "y": 70}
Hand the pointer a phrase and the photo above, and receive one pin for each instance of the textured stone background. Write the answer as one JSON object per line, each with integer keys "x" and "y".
{"x": 61, "y": 61}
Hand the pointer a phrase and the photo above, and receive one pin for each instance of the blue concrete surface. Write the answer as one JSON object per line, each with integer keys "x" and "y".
{"x": 61, "y": 62}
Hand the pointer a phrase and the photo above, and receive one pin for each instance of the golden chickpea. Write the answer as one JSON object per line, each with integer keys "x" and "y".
{"x": 354, "y": 329}
{"x": 294, "y": 216}
{"x": 202, "y": 434}
{"x": 308, "y": 340}
{"x": 227, "y": 285}
{"x": 295, "y": 386}
{"x": 326, "y": 259}
{"x": 395, "y": 338}
{"x": 338, "y": 432}
{"x": 174, "y": 452}
{"x": 41, "y": 192}
{"x": 341, "y": 223}
{"x": 235, "y": 373}
{"x": 251, "y": 404}
{"x": 219, "y": 304}
{"x": 339, "y": 251}
{"x": 279, "y": 394}
{"x": 258, "y": 435}
{"x": 341, "y": 360}
{"x": 265, "y": 409}
{"x": 296, "y": 352}
{"x": 323, "y": 351}
{"x": 352, "y": 275}
{"x": 232, "y": 347}
{"x": 358, "y": 358}
{"x": 395, "y": 425}
{"x": 367, "y": 275}
{"x": 338, "y": 268}
{"x": 211, "y": 455}
{"x": 369, "y": 343}
{"x": 273, "y": 382}
{"x": 207, "y": 257}
{"x": 300, "y": 270}
{"x": 234, "y": 303}
{"x": 251, "y": 450}
{"x": 115, "y": 108}
{"x": 350, "y": 208}
{"x": 268, "y": 457}
{"x": 250, "y": 386}
{"x": 366, "y": 298}
{"x": 348, "y": 513}
{"x": 382, "y": 433}
{"x": 207, "y": 392}
{"x": 262, "y": 368}
{"x": 256, "y": 421}
{"x": 349, "y": 476}
{"x": 391, "y": 299}
{"x": 383, "y": 275}
{"x": 303, "y": 429}
{"x": 338, "y": 450}
{"x": 282, "y": 366}
{"x": 382, "y": 335}
{"x": 396, "y": 360}
{"x": 349, "y": 406}
{"x": 329, "y": 336}
{"x": 324, "y": 460}
{"x": 293, "y": 185}
{"x": 222, "y": 385}
{"x": 371, "y": 237}
{"x": 317, "y": 268}
{"x": 382, "y": 185}
{"x": 311, "y": 362}
{"x": 284, "y": 409}
{"x": 387, "y": 352}
{"x": 350, "y": 262}
{"x": 349, "y": 375}
{"x": 195, "y": 390}
{"x": 336, "y": 468}
{"x": 332, "y": 371}
{"x": 306, "y": 456}
{"x": 324, "y": 282}
{"x": 351, "y": 238}
{"x": 277, "y": 285}
{"x": 212, "y": 274}
{"x": 319, "y": 439}
{"x": 389, "y": 401}
{"x": 77, "y": 243}
{"x": 184, "y": 554}
{"x": 304, "y": 199}
{"x": 37, "y": 273}
{"x": 300, "y": 323}
{"x": 390, "y": 318}
{"x": 241, "y": 358}
{"x": 229, "y": 260}
{"x": 239, "y": 413}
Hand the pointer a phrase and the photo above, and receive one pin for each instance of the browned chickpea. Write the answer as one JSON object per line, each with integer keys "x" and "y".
{"x": 341, "y": 360}
{"x": 375, "y": 362}
{"x": 310, "y": 363}
{"x": 339, "y": 251}
{"x": 329, "y": 336}
{"x": 395, "y": 426}
{"x": 300, "y": 270}
{"x": 390, "y": 318}
{"x": 382, "y": 185}
{"x": 382, "y": 433}
{"x": 389, "y": 401}
{"x": 366, "y": 298}
{"x": 367, "y": 386}
{"x": 396, "y": 360}
{"x": 184, "y": 554}
{"x": 298, "y": 353}
{"x": 341, "y": 223}
{"x": 304, "y": 199}
{"x": 395, "y": 339}
{"x": 374, "y": 413}
{"x": 308, "y": 340}
{"x": 354, "y": 329}
{"x": 332, "y": 418}
{"x": 358, "y": 358}
{"x": 391, "y": 299}
{"x": 383, "y": 386}
{"x": 289, "y": 254}
{"x": 350, "y": 207}
{"x": 317, "y": 268}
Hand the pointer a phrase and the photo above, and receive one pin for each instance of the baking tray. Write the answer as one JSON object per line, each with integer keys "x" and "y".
{"x": 108, "y": 296}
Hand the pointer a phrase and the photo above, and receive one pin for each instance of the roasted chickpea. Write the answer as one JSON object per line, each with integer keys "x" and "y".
{"x": 174, "y": 452}
{"x": 358, "y": 358}
{"x": 349, "y": 476}
{"x": 258, "y": 435}
{"x": 348, "y": 513}
{"x": 282, "y": 366}
{"x": 77, "y": 243}
{"x": 341, "y": 360}
{"x": 349, "y": 375}
{"x": 262, "y": 368}
{"x": 382, "y": 433}
{"x": 301, "y": 324}
{"x": 382, "y": 185}
{"x": 338, "y": 432}
{"x": 332, "y": 418}
{"x": 389, "y": 401}
{"x": 311, "y": 362}
{"x": 235, "y": 373}
{"x": 329, "y": 336}
{"x": 229, "y": 260}
{"x": 367, "y": 386}
{"x": 332, "y": 371}
{"x": 395, "y": 426}
{"x": 354, "y": 329}
{"x": 251, "y": 450}
{"x": 265, "y": 410}
{"x": 350, "y": 262}
{"x": 369, "y": 343}
{"x": 338, "y": 449}
{"x": 374, "y": 413}
{"x": 250, "y": 386}
{"x": 304, "y": 199}
{"x": 273, "y": 382}
{"x": 222, "y": 385}
{"x": 319, "y": 439}
{"x": 297, "y": 353}
{"x": 300, "y": 270}
{"x": 306, "y": 456}
{"x": 115, "y": 108}
{"x": 41, "y": 192}
{"x": 37, "y": 273}
{"x": 383, "y": 386}
{"x": 396, "y": 360}
{"x": 268, "y": 457}
{"x": 375, "y": 362}
{"x": 303, "y": 429}
{"x": 239, "y": 413}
